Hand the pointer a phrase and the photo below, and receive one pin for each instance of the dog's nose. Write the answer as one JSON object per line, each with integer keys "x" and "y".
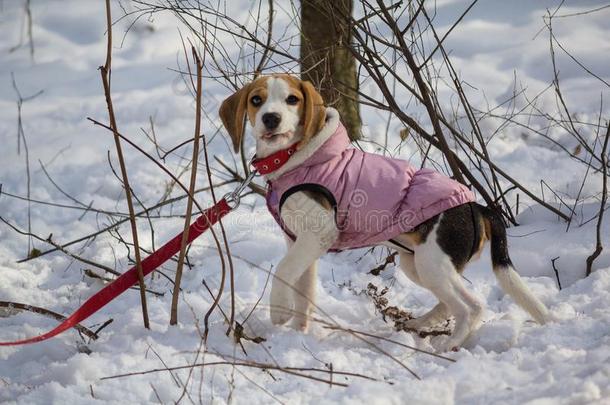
{"x": 271, "y": 120}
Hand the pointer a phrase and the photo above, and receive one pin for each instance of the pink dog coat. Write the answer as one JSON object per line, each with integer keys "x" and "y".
{"x": 375, "y": 197}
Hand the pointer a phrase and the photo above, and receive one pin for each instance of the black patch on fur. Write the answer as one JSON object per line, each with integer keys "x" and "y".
{"x": 499, "y": 244}
{"x": 458, "y": 233}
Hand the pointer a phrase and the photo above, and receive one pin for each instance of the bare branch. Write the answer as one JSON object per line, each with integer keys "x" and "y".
{"x": 189, "y": 203}
{"x": 600, "y": 218}
{"x": 105, "y": 71}
{"x": 48, "y": 313}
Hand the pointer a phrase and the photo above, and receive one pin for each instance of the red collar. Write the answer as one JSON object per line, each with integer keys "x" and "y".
{"x": 274, "y": 161}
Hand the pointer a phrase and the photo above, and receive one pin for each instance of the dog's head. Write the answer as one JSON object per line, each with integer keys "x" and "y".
{"x": 281, "y": 109}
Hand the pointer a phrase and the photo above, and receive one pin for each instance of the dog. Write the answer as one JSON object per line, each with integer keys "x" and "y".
{"x": 319, "y": 189}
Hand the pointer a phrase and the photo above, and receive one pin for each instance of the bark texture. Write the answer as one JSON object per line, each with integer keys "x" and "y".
{"x": 326, "y": 60}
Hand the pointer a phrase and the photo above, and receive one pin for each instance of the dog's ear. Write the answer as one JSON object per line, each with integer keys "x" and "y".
{"x": 314, "y": 112}
{"x": 233, "y": 114}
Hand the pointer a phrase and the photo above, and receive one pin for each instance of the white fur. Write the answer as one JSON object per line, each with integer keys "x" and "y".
{"x": 288, "y": 130}
{"x": 513, "y": 285}
{"x": 304, "y": 295}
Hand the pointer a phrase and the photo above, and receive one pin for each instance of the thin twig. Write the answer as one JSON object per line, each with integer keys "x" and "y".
{"x": 115, "y": 224}
{"x": 21, "y": 138}
{"x": 62, "y": 249}
{"x": 105, "y": 72}
{"x": 296, "y": 371}
{"x": 425, "y": 94}
{"x": 354, "y": 331}
{"x": 189, "y": 202}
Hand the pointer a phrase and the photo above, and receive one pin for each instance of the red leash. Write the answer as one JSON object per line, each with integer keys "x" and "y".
{"x": 165, "y": 252}
{"x": 130, "y": 278}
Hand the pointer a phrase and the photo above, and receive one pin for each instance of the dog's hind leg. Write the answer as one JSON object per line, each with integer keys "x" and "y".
{"x": 438, "y": 274}
{"x": 407, "y": 265}
{"x": 435, "y": 315}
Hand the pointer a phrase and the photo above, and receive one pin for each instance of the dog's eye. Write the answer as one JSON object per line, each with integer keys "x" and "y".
{"x": 256, "y": 101}
{"x": 292, "y": 100}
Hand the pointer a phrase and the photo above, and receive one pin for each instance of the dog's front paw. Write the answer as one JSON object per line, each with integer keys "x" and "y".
{"x": 300, "y": 323}
{"x": 281, "y": 305}
{"x": 281, "y": 315}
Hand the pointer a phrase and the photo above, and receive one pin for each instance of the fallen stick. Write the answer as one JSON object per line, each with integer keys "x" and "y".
{"x": 48, "y": 313}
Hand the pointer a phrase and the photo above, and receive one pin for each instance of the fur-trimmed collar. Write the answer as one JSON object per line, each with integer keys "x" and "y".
{"x": 307, "y": 151}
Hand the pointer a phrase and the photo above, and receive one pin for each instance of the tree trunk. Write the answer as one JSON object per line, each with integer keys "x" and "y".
{"x": 325, "y": 60}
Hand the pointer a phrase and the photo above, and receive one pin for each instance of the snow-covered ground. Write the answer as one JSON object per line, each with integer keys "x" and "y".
{"x": 509, "y": 360}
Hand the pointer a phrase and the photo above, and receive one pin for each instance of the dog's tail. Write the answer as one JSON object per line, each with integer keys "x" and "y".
{"x": 509, "y": 279}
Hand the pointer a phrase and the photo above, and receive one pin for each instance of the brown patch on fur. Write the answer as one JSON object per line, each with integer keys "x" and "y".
{"x": 412, "y": 238}
{"x": 257, "y": 88}
{"x": 487, "y": 227}
{"x": 484, "y": 235}
{"x": 313, "y": 115}
{"x": 233, "y": 111}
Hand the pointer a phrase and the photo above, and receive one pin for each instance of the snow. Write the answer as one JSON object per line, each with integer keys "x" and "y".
{"x": 509, "y": 360}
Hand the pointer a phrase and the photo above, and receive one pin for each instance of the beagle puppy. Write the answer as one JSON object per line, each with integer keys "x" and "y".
{"x": 313, "y": 176}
